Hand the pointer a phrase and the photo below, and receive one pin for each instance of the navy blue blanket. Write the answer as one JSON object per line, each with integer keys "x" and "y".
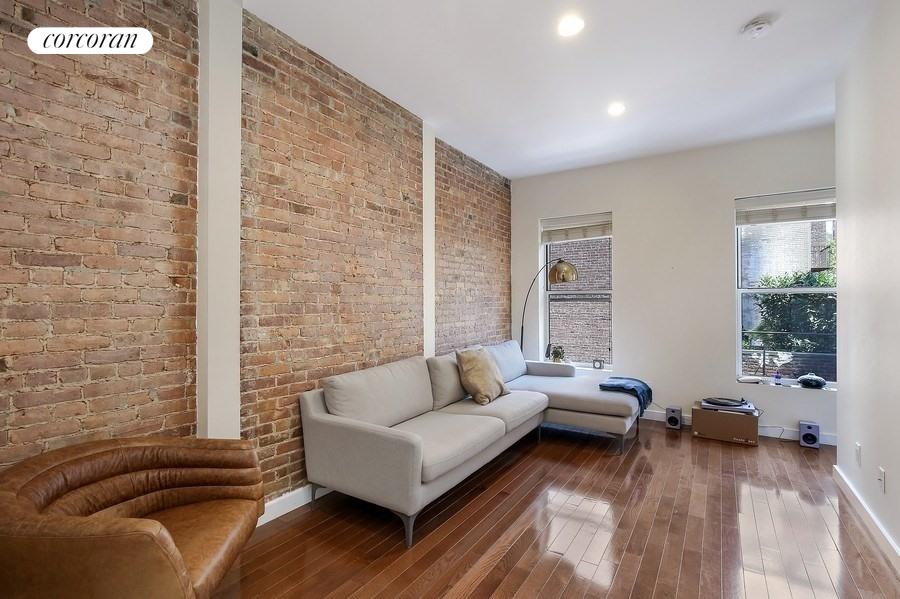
{"x": 635, "y": 387}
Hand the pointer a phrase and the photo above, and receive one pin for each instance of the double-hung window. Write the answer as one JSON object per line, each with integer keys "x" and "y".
{"x": 787, "y": 285}
{"x": 579, "y": 314}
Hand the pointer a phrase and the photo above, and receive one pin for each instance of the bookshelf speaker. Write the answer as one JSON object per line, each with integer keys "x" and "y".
{"x": 809, "y": 434}
{"x": 673, "y": 417}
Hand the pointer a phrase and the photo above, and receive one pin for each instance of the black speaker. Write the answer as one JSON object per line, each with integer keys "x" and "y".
{"x": 809, "y": 434}
{"x": 673, "y": 417}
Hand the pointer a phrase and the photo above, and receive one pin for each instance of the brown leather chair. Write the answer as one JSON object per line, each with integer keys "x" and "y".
{"x": 147, "y": 517}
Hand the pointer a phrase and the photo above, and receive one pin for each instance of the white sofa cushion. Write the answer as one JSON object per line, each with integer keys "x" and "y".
{"x": 383, "y": 395}
{"x": 445, "y": 384}
{"x": 509, "y": 359}
{"x": 579, "y": 394}
{"x": 513, "y": 409}
{"x": 448, "y": 440}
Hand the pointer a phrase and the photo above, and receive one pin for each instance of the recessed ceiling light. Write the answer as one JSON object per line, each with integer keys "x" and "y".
{"x": 616, "y": 109}
{"x": 570, "y": 25}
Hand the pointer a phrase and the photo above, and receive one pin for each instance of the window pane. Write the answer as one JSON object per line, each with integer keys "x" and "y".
{"x": 582, "y": 324}
{"x": 789, "y": 333}
{"x": 796, "y": 254}
{"x": 592, "y": 258}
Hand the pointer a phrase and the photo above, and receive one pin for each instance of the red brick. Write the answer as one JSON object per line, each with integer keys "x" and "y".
{"x": 472, "y": 226}
{"x": 40, "y": 432}
{"x": 46, "y": 259}
{"x": 27, "y": 399}
{"x": 88, "y": 161}
{"x": 70, "y": 342}
{"x": 372, "y": 254}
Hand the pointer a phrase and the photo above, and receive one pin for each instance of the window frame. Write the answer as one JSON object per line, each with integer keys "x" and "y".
{"x": 547, "y": 293}
{"x": 742, "y": 291}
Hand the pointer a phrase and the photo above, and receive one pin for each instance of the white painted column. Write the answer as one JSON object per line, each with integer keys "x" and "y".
{"x": 219, "y": 221}
{"x": 428, "y": 223}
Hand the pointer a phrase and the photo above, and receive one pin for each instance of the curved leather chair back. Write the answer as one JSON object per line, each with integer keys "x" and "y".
{"x": 73, "y": 518}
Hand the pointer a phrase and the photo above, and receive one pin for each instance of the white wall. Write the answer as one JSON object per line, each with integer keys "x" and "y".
{"x": 674, "y": 302}
{"x": 868, "y": 175}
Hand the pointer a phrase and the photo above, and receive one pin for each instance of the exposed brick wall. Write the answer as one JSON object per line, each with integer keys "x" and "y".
{"x": 331, "y": 237}
{"x": 472, "y": 251}
{"x": 97, "y": 229}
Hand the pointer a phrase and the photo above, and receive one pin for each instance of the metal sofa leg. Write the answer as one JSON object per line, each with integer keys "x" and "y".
{"x": 636, "y": 429}
{"x": 408, "y": 523}
{"x": 314, "y": 487}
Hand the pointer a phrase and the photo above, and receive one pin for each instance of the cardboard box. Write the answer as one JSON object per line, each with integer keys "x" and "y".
{"x": 732, "y": 427}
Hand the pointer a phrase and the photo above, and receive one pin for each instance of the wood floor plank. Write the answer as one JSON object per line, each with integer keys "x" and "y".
{"x": 650, "y": 546}
{"x": 500, "y": 550}
{"x": 491, "y": 547}
{"x": 439, "y": 575}
{"x": 711, "y": 565}
{"x": 732, "y": 570}
{"x": 795, "y": 571}
{"x": 670, "y": 564}
{"x": 691, "y": 558}
{"x": 674, "y": 517}
{"x": 428, "y": 566}
{"x": 752, "y": 564}
{"x": 489, "y": 583}
{"x": 393, "y": 563}
{"x": 622, "y": 485}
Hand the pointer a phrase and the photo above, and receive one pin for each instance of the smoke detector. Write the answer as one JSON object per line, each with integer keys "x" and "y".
{"x": 758, "y": 27}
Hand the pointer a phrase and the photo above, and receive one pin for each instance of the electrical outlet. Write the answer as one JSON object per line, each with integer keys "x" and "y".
{"x": 859, "y": 454}
{"x": 882, "y": 475}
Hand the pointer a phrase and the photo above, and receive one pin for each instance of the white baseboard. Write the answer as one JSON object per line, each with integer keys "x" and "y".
{"x": 765, "y": 430}
{"x": 288, "y": 502}
{"x": 883, "y": 539}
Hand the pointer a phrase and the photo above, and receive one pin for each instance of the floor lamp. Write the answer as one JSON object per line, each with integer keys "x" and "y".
{"x": 560, "y": 272}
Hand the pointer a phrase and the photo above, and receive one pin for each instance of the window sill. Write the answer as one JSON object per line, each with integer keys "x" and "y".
{"x": 584, "y": 368}
{"x": 792, "y": 384}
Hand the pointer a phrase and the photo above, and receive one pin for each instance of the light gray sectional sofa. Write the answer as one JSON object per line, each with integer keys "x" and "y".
{"x": 403, "y": 434}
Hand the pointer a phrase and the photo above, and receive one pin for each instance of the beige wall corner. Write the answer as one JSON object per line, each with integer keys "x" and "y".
{"x": 428, "y": 234}
{"x": 868, "y": 210}
{"x": 219, "y": 220}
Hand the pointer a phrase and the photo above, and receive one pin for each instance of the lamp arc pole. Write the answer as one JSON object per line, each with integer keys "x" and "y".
{"x": 527, "y": 295}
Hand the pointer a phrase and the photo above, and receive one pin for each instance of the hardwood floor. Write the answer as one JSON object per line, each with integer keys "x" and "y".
{"x": 675, "y": 517}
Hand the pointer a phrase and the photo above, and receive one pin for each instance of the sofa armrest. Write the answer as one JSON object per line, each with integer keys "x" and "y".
{"x": 369, "y": 461}
{"x": 548, "y": 369}
{"x": 71, "y": 556}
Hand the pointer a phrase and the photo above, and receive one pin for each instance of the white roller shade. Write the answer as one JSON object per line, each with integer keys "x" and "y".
{"x": 571, "y": 228}
{"x": 797, "y": 206}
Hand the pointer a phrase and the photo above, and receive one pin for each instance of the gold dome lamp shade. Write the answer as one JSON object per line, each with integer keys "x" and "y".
{"x": 562, "y": 272}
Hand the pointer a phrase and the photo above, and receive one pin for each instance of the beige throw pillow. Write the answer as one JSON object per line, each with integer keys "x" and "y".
{"x": 479, "y": 375}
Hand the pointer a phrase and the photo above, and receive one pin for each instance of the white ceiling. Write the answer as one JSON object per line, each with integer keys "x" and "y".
{"x": 495, "y": 80}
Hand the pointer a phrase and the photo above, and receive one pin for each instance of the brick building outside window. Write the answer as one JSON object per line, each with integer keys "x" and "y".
{"x": 579, "y": 314}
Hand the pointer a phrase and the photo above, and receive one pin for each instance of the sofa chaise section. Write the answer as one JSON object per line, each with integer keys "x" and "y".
{"x": 575, "y": 398}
